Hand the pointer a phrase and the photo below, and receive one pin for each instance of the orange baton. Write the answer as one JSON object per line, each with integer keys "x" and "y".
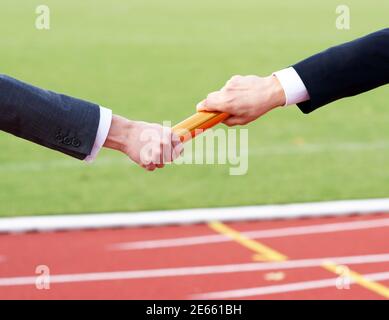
{"x": 198, "y": 123}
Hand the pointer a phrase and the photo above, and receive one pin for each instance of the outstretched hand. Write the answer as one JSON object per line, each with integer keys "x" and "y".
{"x": 148, "y": 144}
{"x": 245, "y": 98}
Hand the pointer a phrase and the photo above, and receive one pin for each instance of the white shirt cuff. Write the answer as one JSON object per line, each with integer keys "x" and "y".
{"x": 102, "y": 133}
{"x": 294, "y": 88}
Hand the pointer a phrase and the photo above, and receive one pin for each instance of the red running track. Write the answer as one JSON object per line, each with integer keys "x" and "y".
{"x": 195, "y": 262}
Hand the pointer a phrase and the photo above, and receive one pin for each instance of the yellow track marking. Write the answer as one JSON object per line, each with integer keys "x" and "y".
{"x": 275, "y": 276}
{"x": 263, "y": 257}
{"x": 262, "y": 251}
{"x": 360, "y": 279}
{"x": 265, "y": 253}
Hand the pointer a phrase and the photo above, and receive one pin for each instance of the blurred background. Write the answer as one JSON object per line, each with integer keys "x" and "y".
{"x": 153, "y": 61}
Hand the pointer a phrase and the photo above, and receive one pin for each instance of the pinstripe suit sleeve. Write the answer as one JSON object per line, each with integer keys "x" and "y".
{"x": 345, "y": 70}
{"x": 53, "y": 120}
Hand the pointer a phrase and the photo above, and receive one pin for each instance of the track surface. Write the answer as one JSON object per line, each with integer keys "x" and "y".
{"x": 196, "y": 261}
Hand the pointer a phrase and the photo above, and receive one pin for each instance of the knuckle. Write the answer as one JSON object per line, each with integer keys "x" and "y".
{"x": 236, "y": 77}
{"x": 233, "y": 82}
{"x": 213, "y": 96}
{"x": 230, "y": 86}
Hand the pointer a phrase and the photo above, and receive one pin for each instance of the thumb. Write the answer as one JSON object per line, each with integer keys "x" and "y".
{"x": 200, "y": 106}
{"x": 214, "y": 102}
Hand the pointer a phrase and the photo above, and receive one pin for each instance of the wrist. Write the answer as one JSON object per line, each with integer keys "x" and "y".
{"x": 118, "y": 134}
{"x": 277, "y": 97}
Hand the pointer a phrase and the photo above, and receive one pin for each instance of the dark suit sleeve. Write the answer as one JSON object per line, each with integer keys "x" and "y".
{"x": 53, "y": 120}
{"x": 345, "y": 70}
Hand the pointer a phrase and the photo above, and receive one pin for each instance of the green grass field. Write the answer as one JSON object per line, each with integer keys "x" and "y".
{"x": 154, "y": 60}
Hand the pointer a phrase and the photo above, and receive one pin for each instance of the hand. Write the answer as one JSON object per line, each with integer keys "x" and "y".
{"x": 148, "y": 144}
{"x": 245, "y": 98}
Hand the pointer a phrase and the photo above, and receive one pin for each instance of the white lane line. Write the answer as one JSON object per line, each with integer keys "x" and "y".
{"x": 282, "y": 288}
{"x": 259, "y": 234}
{"x": 190, "y": 216}
{"x": 195, "y": 271}
{"x": 258, "y": 291}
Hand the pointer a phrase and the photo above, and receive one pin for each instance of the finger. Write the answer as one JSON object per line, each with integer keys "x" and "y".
{"x": 151, "y": 167}
{"x": 212, "y": 103}
{"x": 178, "y": 151}
{"x": 148, "y": 167}
{"x": 167, "y": 146}
{"x": 161, "y": 159}
{"x": 232, "y": 121}
{"x": 178, "y": 146}
{"x": 200, "y": 106}
{"x": 212, "y": 100}
{"x": 145, "y": 160}
{"x": 153, "y": 154}
{"x": 157, "y": 157}
{"x": 216, "y": 101}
